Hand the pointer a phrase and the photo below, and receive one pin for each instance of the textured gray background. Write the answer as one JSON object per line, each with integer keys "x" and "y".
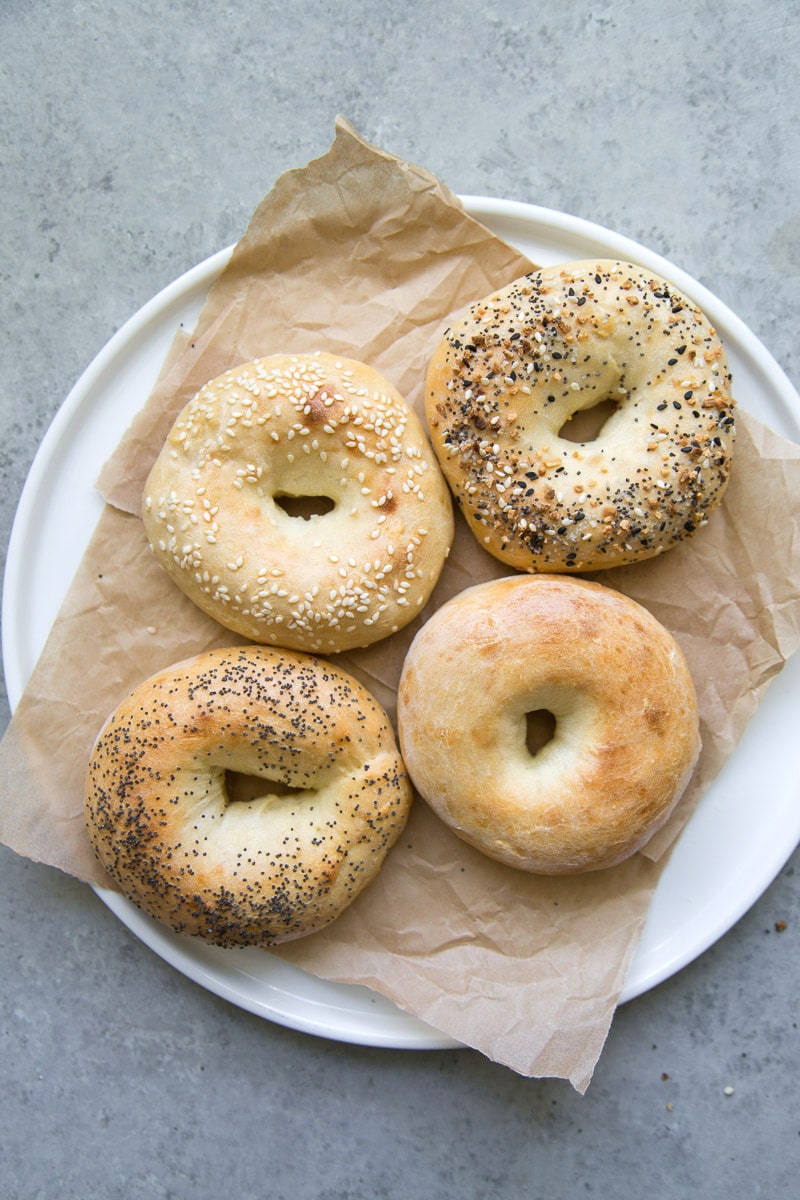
{"x": 135, "y": 140}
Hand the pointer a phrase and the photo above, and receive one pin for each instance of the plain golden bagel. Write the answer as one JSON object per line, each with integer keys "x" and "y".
{"x": 297, "y": 501}
{"x": 323, "y": 795}
{"x": 616, "y": 687}
{"x": 601, "y": 351}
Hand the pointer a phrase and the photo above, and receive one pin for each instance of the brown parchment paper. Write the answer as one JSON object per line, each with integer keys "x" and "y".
{"x": 366, "y": 255}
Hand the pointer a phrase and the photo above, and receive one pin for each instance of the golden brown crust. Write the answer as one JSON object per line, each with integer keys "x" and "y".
{"x": 626, "y": 735}
{"x": 507, "y": 378}
{"x": 258, "y": 871}
{"x": 301, "y": 426}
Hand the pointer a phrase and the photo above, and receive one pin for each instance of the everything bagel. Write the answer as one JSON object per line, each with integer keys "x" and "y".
{"x": 331, "y": 795}
{"x": 618, "y": 693}
{"x": 508, "y": 382}
{"x": 221, "y": 504}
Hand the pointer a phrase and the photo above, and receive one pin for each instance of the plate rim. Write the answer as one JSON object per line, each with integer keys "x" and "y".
{"x": 416, "y": 1033}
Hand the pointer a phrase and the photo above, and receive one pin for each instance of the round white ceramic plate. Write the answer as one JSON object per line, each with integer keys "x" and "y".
{"x": 725, "y": 857}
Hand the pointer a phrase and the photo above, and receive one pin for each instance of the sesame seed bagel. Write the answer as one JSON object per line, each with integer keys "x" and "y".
{"x": 512, "y": 382}
{"x": 622, "y": 712}
{"x": 322, "y": 795}
{"x": 220, "y": 504}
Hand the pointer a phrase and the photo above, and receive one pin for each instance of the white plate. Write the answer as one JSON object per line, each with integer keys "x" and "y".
{"x": 723, "y": 861}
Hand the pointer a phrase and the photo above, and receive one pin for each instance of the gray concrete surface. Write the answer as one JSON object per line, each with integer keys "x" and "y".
{"x": 135, "y": 140}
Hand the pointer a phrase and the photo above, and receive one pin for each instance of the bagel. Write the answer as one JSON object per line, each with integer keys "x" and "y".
{"x": 165, "y": 822}
{"x": 511, "y": 382}
{"x": 220, "y": 506}
{"x": 618, "y": 693}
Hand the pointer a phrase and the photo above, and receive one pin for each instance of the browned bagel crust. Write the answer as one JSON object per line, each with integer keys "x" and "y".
{"x": 275, "y": 431}
{"x": 258, "y": 872}
{"x": 626, "y": 735}
{"x": 507, "y": 378}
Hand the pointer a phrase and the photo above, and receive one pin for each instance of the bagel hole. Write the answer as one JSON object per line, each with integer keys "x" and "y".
{"x": 541, "y": 729}
{"x": 242, "y": 788}
{"x": 587, "y": 424}
{"x": 304, "y": 507}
